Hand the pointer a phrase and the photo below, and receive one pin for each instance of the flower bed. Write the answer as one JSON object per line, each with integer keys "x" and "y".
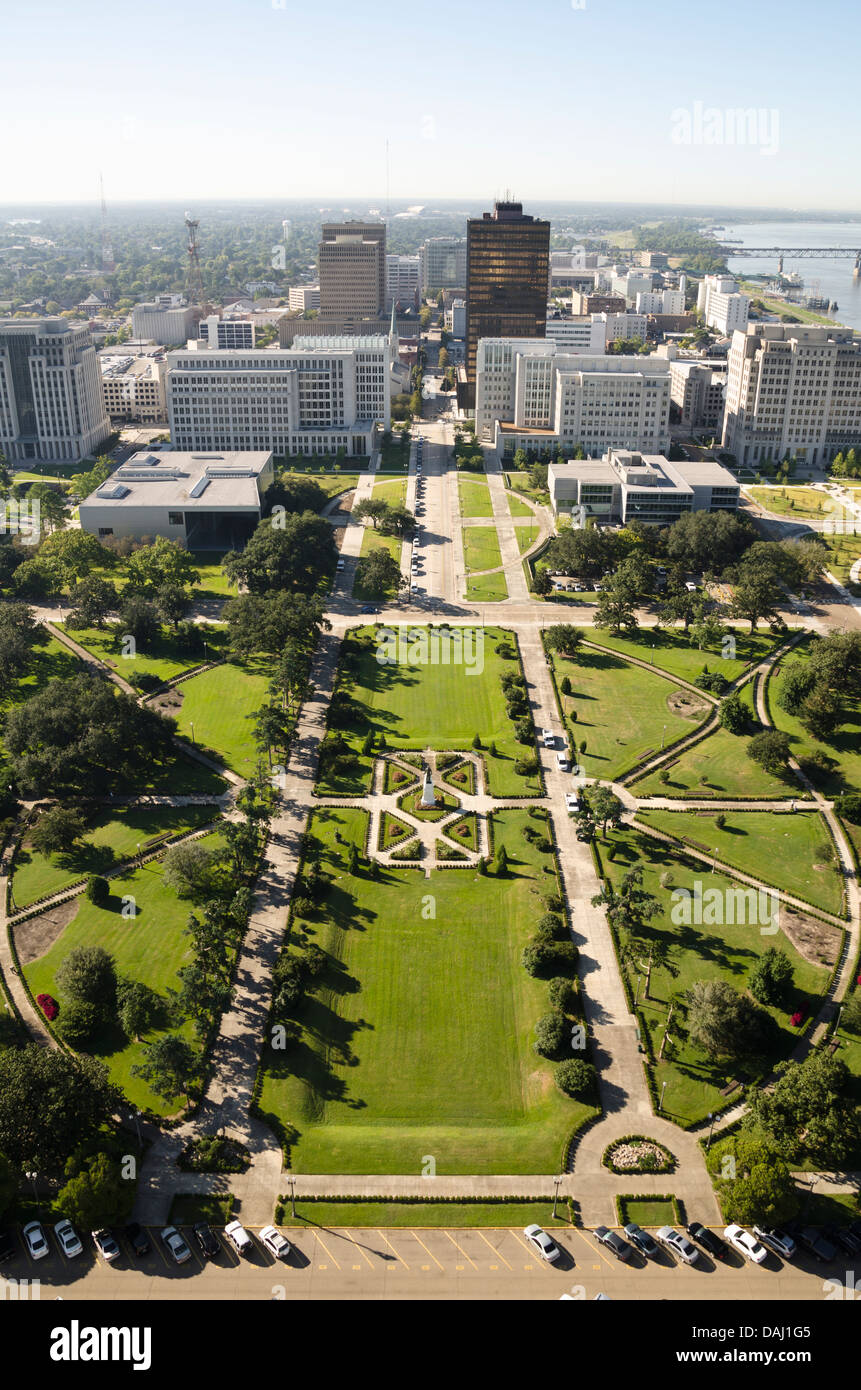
{"x": 214, "y": 1154}
{"x": 636, "y": 1153}
{"x": 49, "y": 1006}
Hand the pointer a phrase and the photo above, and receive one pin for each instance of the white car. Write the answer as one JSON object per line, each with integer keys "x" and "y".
{"x": 548, "y": 738}
{"x": 541, "y": 1242}
{"x": 572, "y": 802}
{"x": 746, "y": 1244}
{"x": 67, "y": 1239}
{"x": 106, "y": 1245}
{"x": 275, "y": 1243}
{"x": 679, "y": 1244}
{"x": 175, "y": 1245}
{"x": 37, "y": 1246}
{"x": 340, "y": 565}
{"x": 238, "y": 1237}
{"x": 562, "y": 761}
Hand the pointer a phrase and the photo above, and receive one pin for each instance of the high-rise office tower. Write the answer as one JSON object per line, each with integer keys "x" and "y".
{"x": 51, "y": 403}
{"x": 352, "y": 259}
{"x": 507, "y": 268}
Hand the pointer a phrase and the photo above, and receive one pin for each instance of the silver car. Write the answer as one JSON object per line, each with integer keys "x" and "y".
{"x": 541, "y": 1242}
{"x": 678, "y": 1244}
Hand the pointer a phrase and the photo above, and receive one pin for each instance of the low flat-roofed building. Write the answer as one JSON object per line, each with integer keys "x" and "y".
{"x": 133, "y": 387}
{"x": 626, "y": 486}
{"x": 208, "y": 500}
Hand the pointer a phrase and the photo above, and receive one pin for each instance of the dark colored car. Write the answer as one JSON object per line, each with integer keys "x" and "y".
{"x": 137, "y": 1238}
{"x": 816, "y": 1244}
{"x": 7, "y": 1249}
{"x": 843, "y": 1238}
{"x": 206, "y": 1239}
{"x": 620, "y": 1248}
{"x": 709, "y": 1241}
{"x": 642, "y": 1240}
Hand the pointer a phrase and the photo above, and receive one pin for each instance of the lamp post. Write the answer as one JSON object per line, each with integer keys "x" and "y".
{"x": 661, "y": 1101}
{"x": 137, "y": 1117}
{"x": 292, "y": 1194}
{"x": 191, "y": 725}
{"x": 556, "y": 1181}
{"x": 714, "y": 858}
{"x": 663, "y": 736}
{"x": 711, "y": 1127}
{"x": 652, "y": 657}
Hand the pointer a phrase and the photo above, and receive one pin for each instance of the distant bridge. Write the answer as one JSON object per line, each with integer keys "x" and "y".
{"x": 801, "y": 252}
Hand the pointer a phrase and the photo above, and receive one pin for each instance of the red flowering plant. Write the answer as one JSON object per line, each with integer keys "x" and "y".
{"x": 797, "y": 1018}
{"x": 49, "y": 1006}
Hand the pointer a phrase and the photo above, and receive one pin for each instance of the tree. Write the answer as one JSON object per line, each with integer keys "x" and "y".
{"x": 170, "y": 1066}
{"x": 372, "y": 509}
{"x": 550, "y": 1034}
{"x": 8, "y": 1183}
{"x": 98, "y": 890}
{"x": 771, "y": 749}
{"x": 822, "y": 713}
{"x": 756, "y": 596}
{"x": 85, "y": 483}
{"x": 734, "y": 714}
{"x": 770, "y": 980}
{"x": 88, "y": 975}
{"x": 725, "y": 1023}
{"x": 398, "y": 520}
{"x": 377, "y": 573}
{"x": 269, "y": 622}
{"x": 604, "y": 805}
{"x": 20, "y": 635}
{"x": 97, "y": 1195}
{"x": 542, "y": 584}
{"x": 75, "y": 553}
{"x": 809, "y": 1111}
{"x": 58, "y": 830}
{"x": 706, "y": 632}
{"x": 79, "y": 1021}
{"x": 564, "y": 638}
{"x": 160, "y": 565}
{"x": 92, "y": 600}
{"x": 501, "y": 862}
{"x": 295, "y": 493}
{"x": 51, "y": 504}
{"x": 188, "y": 869}
{"x": 764, "y": 1194}
{"x": 615, "y": 609}
{"x": 576, "y": 1078}
{"x": 50, "y": 1103}
{"x": 294, "y": 556}
{"x": 138, "y": 1007}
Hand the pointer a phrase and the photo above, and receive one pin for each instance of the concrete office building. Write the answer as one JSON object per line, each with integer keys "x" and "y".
{"x": 51, "y": 403}
{"x": 587, "y": 334}
{"x": 443, "y": 263}
{"x": 532, "y": 395}
{"x": 792, "y": 389}
{"x": 589, "y": 302}
{"x": 226, "y": 333}
{"x": 626, "y": 485}
{"x": 403, "y": 281}
{"x": 207, "y": 501}
{"x": 320, "y": 396}
{"x": 302, "y": 298}
{"x": 721, "y": 305}
{"x": 455, "y": 319}
{"x": 352, "y": 260}
{"x": 165, "y": 323}
{"x": 699, "y": 392}
{"x": 507, "y": 265}
{"x": 630, "y": 283}
{"x": 661, "y": 302}
{"x": 620, "y": 328}
{"x": 133, "y": 388}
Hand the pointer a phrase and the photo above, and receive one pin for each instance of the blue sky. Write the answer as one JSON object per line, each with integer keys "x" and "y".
{"x": 249, "y": 98}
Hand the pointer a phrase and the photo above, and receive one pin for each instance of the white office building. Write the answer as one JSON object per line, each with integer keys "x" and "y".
{"x": 226, "y": 333}
{"x": 630, "y": 283}
{"x": 455, "y": 318}
{"x": 133, "y": 387}
{"x": 586, "y": 333}
{"x": 699, "y": 391}
{"x": 661, "y": 302}
{"x": 721, "y": 304}
{"x": 792, "y": 389}
{"x": 302, "y": 298}
{"x": 320, "y": 396}
{"x": 626, "y": 485}
{"x": 403, "y": 281}
{"x": 164, "y": 323}
{"x": 51, "y": 403}
{"x": 443, "y": 263}
{"x": 532, "y": 395}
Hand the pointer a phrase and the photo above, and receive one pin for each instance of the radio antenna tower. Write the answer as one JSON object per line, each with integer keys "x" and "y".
{"x": 194, "y": 279}
{"x": 108, "y": 263}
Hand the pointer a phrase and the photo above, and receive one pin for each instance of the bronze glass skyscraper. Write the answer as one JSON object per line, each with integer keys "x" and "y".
{"x": 507, "y": 269}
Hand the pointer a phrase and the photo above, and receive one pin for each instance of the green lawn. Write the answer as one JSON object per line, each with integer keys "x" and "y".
{"x": 527, "y": 536}
{"x": 719, "y": 767}
{"x": 622, "y": 711}
{"x": 645, "y": 1213}
{"x": 702, "y": 952}
{"x": 779, "y": 848}
{"x": 671, "y": 650}
{"x": 843, "y": 551}
{"x": 149, "y": 947}
{"x": 451, "y": 1215}
{"x": 844, "y": 746}
{"x": 420, "y": 1040}
{"x": 517, "y": 506}
{"x": 114, "y": 836}
{"x": 372, "y": 540}
{"x": 433, "y": 705}
{"x": 393, "y": 491}
{"x": 220, "y": 704}
{"x": 796, "y": 502}
{"x": 213, "y": 582}
{"x": 481, "y": 548}
{"x": 395, "y": 455}
{"x": 474, "y": 495}
{"x": 163, "y": 659}
{"x": 487, "y": 588}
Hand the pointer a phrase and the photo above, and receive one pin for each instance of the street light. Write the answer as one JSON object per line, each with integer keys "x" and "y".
{"x": 556, "y": 1181}
{"x": 661, "y": 1101}
{"x": 711, "y": 1127}
{"x": 663, "y": 736}
{"x": 292, "y": 1194}
{"x": 191, "y": 723}
{"x": 714, "y": 858}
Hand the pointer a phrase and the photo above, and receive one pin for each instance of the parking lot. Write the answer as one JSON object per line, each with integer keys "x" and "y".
{"x": 471, "y": 1263}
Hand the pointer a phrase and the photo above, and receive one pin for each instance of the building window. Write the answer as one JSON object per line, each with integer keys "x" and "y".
{"x": 174, "y": 518}
{"x": 106, "y": 530}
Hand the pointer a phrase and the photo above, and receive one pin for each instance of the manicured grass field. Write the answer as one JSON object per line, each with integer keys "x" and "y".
{"x": 114, "y": 836}
{"x": 843, "y": 551}
{"x": 333, "y": 483}
{"x": 672, "y": 650}
{"x": 450, "y": 1215}
{"x": 703, "y": 952}
{"x": 163, "y": 659}
{"x": 719, "y": 766}
{"x": 481, "y": 548}
{"x": 844, "y": 745}
{"x": 487, "y": 588}
{"x": 393, "y": 491}
{"x": 779, "y": 848}
{"x": 474, "y": 495}
{"x": 652, "y": 1214}
{"x": 796, "y": 502}
{"x": 517, "y": 507}
{"x": 213, "y": 581}
{"x": 149, "y": 947}
{"x": 187, "y": 1209}
{"x": 622, "y": 711}
{"x": 395, "y": 455}
{"x": 372, "y": 540}
{"x": 420, "y": 1039}
{"x": 220, "y": 704}
{"x": 433, "y": 705}
{"x": 527, "y": 536}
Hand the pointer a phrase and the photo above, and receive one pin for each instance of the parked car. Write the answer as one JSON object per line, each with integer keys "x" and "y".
{"x": 137, "y": 1238}
{"x": 275, "y": 1243}
{"x": 106, "y": 1245}
{"x": 175, "y": 1245}
{"x": 572, "y": 802}
{"x": 777, "y": 1240}
{"x": 562, "y": 761}
{"x": 207, "y": 1240}
{"x": 619, "y": 1247}
{"x": 542, "y": 1244}
{"x": 843, "y": 1238}
{"x": 37, "y": 1246}
{"x": 746, "y": 1244}
{"x": 816, "y": 1244}
{"x": 548, "y": 738}
{"x": 709, "y": 1240}
{"x": 676, "y": 1242}
{"x": 238, "y": 1237}
{"x": 68, "y": 1239}
{"x": 340, "y": 565}
{"x": 641, "y": 1240}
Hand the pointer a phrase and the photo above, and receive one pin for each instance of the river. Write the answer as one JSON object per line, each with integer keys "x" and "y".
{"x": 833, "y": 279}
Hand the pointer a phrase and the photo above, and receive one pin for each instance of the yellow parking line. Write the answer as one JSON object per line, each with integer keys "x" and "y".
{"x": 393, "y": 1250}
{"x": 595, "y": 1248}
{"x": 348, "y": 1237}
{"x": 158, "y": 1246}
{"x": 494, "y": 1249}
{"x": 461, "y": 1249}
{"x": 430, "y": 1252}
{"x": 328, "y": 1251}
{"x": 532, "y": 1253}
